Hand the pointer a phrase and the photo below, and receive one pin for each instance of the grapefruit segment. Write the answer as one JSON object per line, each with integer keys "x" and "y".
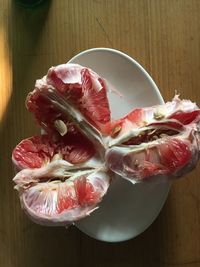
{"x": 169, "y": 156}
{"x": 33, "y": 152}
{"x": 58, "y": 109}
{"x": 94, "y": 102}
{"x": 63, "y": 202}
{"x": 46, "y": 114}
{"x": 37, "y": 151}
{"x": 175, "y": 153}
{"x": 86, "y": 192}
{"x": 84, "y": 89}
{"x": 170, "y": 117}
{"x": 186, "y": 117}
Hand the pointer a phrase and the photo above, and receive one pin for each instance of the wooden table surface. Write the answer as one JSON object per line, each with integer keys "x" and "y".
{"x": 164, "y": 36}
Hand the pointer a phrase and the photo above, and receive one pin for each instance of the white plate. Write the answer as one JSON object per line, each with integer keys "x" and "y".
{"x": 127, "y": 210}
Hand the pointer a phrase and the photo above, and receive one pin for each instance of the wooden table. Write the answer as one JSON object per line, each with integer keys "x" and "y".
{"x": 164, "y": 36}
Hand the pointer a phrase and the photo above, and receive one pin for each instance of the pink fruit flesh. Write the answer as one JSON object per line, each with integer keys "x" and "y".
{"x": 160, "y": 140}
{"x": 175, "y": 154}
{"x": 33, "y": 152}
{"x": 47, "y": 114}
{"x": 170, "y": 117}
{"x": 84, "y": 89}
{"x": 37, "y": 151}
{"x": 94, "y": 101}
{"x": 53, "y": 199}
{"x": 59, "y": 202}
{"x": 86, "y": 192}
{"x": 58, "y": 109}
{"x": 59, "y": 183}
{"x": 169, "y": 156}
{"x": 186, "y": 117}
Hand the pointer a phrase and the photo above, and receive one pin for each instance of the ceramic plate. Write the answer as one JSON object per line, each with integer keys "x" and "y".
{"x": 127, "y": 210}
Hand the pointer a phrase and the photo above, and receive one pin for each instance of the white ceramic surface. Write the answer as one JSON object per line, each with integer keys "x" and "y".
{"x": 127, "y": 210}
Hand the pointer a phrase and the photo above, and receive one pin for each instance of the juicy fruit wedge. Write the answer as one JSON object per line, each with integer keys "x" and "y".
{"x": 67, "y": 196}
{"x": 47, "y": 115}
{"x": 36, "y": 151}
{"x": 59, "y": 182}
{"x": 160, "y": 140}
{"x": 71, "y": 98}
{"x": 85, "y": 89}
{"x": 169, "y": 156}
{"x": 33, "y": 152}
{"x": 149, "y": 123}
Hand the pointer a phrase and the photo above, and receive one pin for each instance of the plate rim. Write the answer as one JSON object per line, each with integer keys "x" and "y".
{"x": 122, "y": 54}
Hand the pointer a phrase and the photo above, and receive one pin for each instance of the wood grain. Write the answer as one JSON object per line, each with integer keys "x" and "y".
{"x": 164, "y": 36}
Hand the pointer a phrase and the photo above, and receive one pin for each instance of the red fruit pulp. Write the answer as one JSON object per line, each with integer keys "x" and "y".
{"x": 86, "y": 91}
{"x": 36, "y": 151}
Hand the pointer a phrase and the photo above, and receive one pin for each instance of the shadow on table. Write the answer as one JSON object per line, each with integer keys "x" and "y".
{"x": 21, "y": 30}
{"x": 50, "y": 247}
{"x": 141, "y": 251}
{"x": 26, "y": 30}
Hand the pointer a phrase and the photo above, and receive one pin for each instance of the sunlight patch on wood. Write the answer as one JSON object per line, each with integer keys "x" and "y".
{"x": 5, "y": 73}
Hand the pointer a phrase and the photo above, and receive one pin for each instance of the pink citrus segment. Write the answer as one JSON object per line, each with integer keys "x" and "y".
{"x": 84, "y": 89}
{"x": 168, "y": 156}
{"x": 37, "y": 151}
{"x": 63, "y": 202}
{"x": 186, "y": 117}
{"x": 66, "y": 78}
{"x": 75, "y": 148}
{"x": 174, "y": 154}
{"x": 50, "y": 199}
{"x": 66, "y": 199}
{"x": 47, "y": 114}
{"x": 136, "y": 116}
{"x": 171, "y": 115}
{"x": 33, "y": 152}
{"x": 86, "y": 192}
{"x": 94, "y": 102}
